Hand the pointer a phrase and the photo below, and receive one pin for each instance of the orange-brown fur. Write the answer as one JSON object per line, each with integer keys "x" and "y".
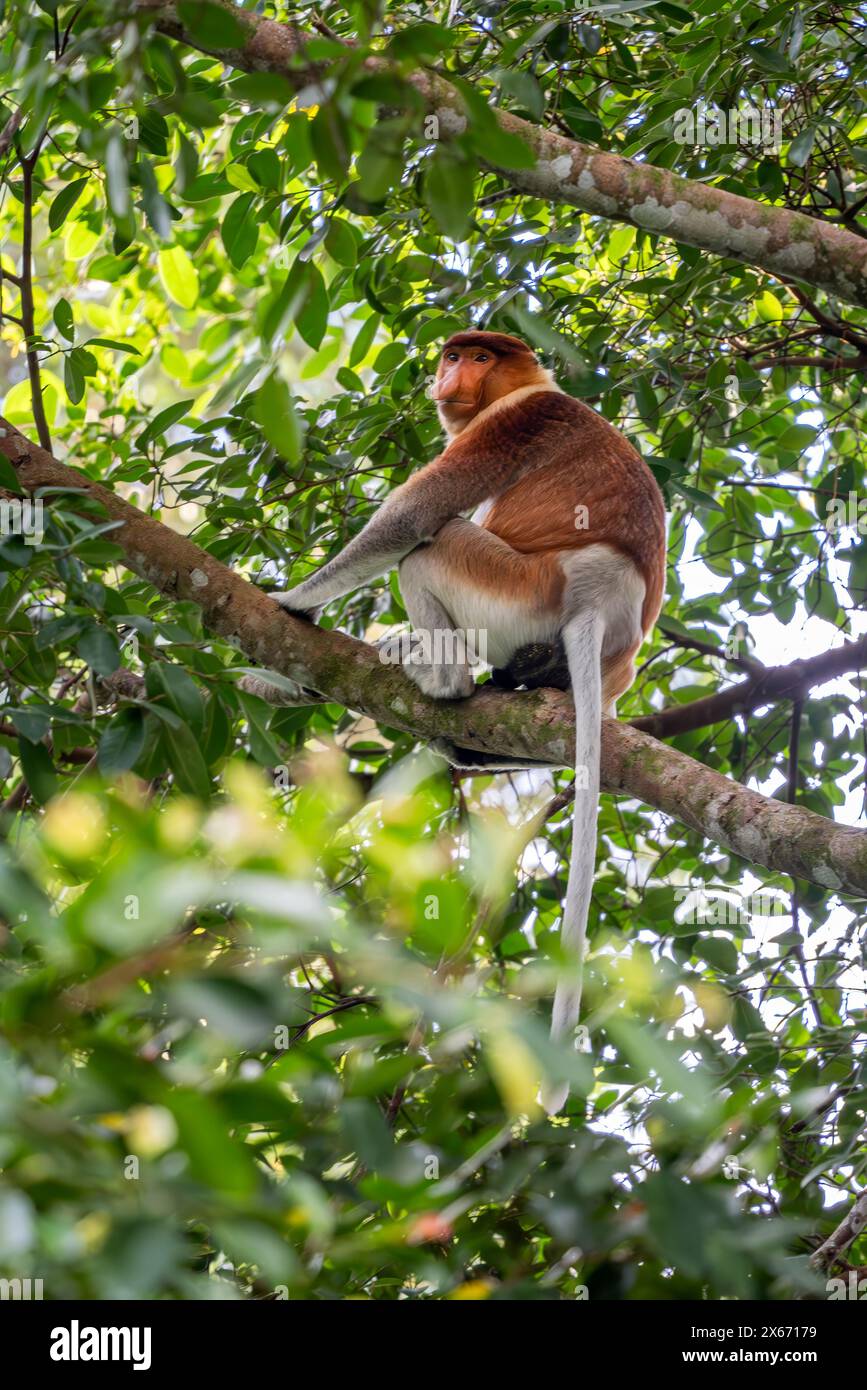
{"x": 585, "y": 484}
{"x": 569, "y": 548}
{"x": 577, "y": 459}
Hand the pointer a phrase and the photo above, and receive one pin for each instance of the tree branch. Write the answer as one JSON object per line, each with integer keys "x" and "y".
{"x": 537, "y": 725}
{"x": 762, "y": 688}
{"x": 842, "y": 1236}
{"x": 28, "y": 321}
{"x": 10, "y": 130}
{"x": 779, "y": 240}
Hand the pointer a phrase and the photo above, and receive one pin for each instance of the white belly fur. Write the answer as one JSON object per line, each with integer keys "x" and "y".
{"x": 596, "y": 576}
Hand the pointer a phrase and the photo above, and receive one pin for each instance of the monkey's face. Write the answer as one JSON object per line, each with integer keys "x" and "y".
{"x": 478, "y": 368}
{"x": 460, "y": 384}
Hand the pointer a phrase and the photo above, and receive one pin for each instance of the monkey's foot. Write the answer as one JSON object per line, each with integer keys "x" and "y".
{"x": 289, "y": 603}
{"x": 537, "y": 664}
{"x": 442, "y": 682}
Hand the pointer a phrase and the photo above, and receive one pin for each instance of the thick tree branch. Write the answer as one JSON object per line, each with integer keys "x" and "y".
{"x": 764, "y": 687}
{"x": 537, "y": 725}
{"x": 565, "y": 170}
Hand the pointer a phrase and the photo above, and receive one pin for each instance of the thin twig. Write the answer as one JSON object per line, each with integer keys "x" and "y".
{"x": 27, "y": 313}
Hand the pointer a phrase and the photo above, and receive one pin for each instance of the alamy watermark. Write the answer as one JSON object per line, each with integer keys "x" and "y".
{"x": 439, "y": 646}
{"x": 726, "y": 910}
{"x": 21, "y": 1290}
{"x": 843, "y": 512}
{"x": 853, "y": 1287}
{"x": 23, "y": 518}
{"x": 749, "y": 125}
{"x": 77, "y": 1343}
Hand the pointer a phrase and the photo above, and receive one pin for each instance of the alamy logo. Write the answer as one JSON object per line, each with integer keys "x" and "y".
{"x": 749, "y": 125}
{"x": 77, "y": 1343}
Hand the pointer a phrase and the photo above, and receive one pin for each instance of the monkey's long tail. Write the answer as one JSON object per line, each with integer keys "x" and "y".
{"x": 582, "y": 638}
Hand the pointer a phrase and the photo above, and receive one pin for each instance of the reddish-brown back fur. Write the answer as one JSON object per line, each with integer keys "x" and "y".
{"x": 549, "y": 455}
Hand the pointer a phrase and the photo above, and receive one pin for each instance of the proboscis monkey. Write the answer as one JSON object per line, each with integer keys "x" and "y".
{"x": 566, "y": 543}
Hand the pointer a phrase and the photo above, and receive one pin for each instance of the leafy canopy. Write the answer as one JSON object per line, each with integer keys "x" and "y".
{"x": 278, "y": 1025}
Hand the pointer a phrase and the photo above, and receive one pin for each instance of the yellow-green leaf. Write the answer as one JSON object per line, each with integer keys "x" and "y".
{"x": 179, "y": 276}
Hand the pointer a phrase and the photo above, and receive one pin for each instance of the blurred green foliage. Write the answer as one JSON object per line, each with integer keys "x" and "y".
{"x": 272, "y": 993}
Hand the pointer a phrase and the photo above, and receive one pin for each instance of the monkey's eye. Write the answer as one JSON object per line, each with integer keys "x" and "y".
{"x": 452, "y": 357}
{"x": 483, "y": 357}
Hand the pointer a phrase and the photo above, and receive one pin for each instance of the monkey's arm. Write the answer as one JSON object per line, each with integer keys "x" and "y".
{"x": 396, "y": 529}
{"x": 411, "y": 515}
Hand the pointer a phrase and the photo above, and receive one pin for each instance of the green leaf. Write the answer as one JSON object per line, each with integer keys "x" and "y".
{"x": 64, "y": 202}
{"x": 264, "y": 165}
{"x": 179, "y": 276}
{"x": 121, "y": 744}
{"x": 263, "y": 89}
{"x": 273, "y": 408}
{"x": 799, "y": 151}
{"x": 158, "y": 212}
{"x": 212, "y": 25}
{"x": 187, "y": 761}
{"x": 340, "y": 242}
{"x": 100, "y": 650}
{"x": 73, "y": 379}
{"x": 184, "y": 695}
{"x": 702, "y": 500}
{"x": 770, "y": 59}
{"x": 448, "y": 193}
{"x": 112, "y": 343}
{"x": 216, "y": 1159}
{"x": 364, "y": 340}
{"x": 311, "y": 319}
{"x": 768, "y": 307}
{"x": 163, "y": 421}
{"x": 543, "y": 336}
{"x": 63, "y": 319}
{"x": 117, "y": 176}
{"x": 8, "y": 477}
{"x": 719, "y": 952}
{"x": 262, "y": 745}
{"x": 240, "y": 231}
{"x": 330, "y": 139}
{"x": 32, "y": 724}
{"x": 38, "y": 770}
{"x": 524, "y": 88}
